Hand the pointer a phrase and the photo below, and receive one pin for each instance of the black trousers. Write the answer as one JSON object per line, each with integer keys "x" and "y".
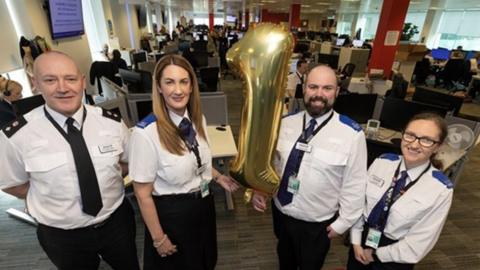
{"x": 113, "y": 240}
{"x": 353, "y": 264}
{"x": 189, "y": 222}
{"x": 301, "y": 245}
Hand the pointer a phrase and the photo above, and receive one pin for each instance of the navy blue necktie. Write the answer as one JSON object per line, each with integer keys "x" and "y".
{"x": 293, "y": 165}
{"x": 188, "y": 133}
{"x": 87, "y": 178}
{"x": 379, "y": 214}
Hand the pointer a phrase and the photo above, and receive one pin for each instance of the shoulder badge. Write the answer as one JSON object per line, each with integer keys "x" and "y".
{"x": 14, "y": 126}
{"x": 390, "y": 156}
{"x": 112, "y": 115}
{"x": 349, "y": 122}
{"x": 442, "y": 178}
{"x": 147, "y": 121}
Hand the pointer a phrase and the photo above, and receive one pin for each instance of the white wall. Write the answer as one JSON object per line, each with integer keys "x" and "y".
{"x": 120, "y": 22}
{"x": 33, "y": 21}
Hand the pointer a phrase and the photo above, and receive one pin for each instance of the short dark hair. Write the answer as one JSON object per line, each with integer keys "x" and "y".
{"x": 300, "y": 62}
{"x": 116, "y": 54}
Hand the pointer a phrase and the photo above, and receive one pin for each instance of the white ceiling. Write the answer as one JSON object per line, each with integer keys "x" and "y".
{"x": 309, "y": 6}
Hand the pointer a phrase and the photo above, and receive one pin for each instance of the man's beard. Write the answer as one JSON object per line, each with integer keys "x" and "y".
{"x": 316, "y": 111}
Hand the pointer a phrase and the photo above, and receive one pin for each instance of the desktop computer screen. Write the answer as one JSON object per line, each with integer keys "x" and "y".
{"x": 357, "y": 43}
{"x": 441, "y": 54}
{"x": 358, "y": 107}
{"x": 397, "y": 112}
{"x": 437, "y": 98}
{"x": 340, "y": 41}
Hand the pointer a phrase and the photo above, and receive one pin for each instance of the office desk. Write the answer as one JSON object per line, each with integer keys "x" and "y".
{"x": 223, "y": 148}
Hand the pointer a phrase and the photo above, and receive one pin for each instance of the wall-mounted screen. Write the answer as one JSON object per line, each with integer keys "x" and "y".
{"x": 66, "y": 19}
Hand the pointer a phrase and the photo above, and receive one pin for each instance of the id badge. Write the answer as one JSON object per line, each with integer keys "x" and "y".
{"x": 293, "y": 184}
{"x": 200, "y": 170}
{"x": 204, "y": 188}
{"x": 373, "y": 238}
{"x": 303, "y": 147}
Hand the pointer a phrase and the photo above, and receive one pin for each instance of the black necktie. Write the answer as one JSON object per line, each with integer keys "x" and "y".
{"x": 87, "y": 178}
{"x": 188, "y": 133}
{"x": 378, "y": 216}
{"x": 293, "y": 165}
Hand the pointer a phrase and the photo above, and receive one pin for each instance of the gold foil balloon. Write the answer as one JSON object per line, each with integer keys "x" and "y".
{"x": 261, "y": 58}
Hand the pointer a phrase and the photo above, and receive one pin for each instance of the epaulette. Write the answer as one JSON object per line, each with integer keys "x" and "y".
{"x": 111, "y": 115}
{"x": 442, "y": 178}
{"x": 14, "y": 126}
{"x": 390, "y": 156}
{"x": 349, "y": 122}
{"x": 147, "y": 121}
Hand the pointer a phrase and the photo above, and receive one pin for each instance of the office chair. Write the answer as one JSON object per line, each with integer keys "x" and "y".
{"x": 399, "y": 87}
{"x": 454, "y": 72}
{"x": 421, "y": 71}
{"x": 346, "y": 76}
{"x": 209, "y": 76}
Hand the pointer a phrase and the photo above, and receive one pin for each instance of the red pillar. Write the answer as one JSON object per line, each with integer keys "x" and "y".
{"x": 210, "y": 21}
{"x": 392, "y": 18}
{"x": 264, "y": 15}
{"x": 294, "y": 19}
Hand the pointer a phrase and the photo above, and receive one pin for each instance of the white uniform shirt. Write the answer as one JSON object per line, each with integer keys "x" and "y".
{"x": 293, "y": 80}
{"x": 332, "y": 176}
{"x": 39, "y": 154}
{"x": 170, "y": 173}
{"x": 416, "y": 218}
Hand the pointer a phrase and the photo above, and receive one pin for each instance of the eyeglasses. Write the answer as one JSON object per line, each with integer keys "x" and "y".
{"x": 423, "y": 141}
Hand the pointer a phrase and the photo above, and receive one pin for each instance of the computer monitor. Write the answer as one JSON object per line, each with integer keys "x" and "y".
{"x": 441, "y": 54}
{"x": 470, "y": 54}
{"x": 437, "y": 98}
{"x": 119, "y": 106}
{"x": 140, "y": 106}
{"x": 328, "y": 59}
{"x": 25, "y": 105}
{"x": 139, "y": 81}
{"x": 139, "y": 57}
{"x": 397, "y": 112}
{"x": 358, "y": 107}
{"x": 340, "y": 41}
{"x": 357, "y": 43}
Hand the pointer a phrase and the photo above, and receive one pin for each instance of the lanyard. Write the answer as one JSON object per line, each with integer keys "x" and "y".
{"x": 307, "y": 140}
{"x": 302, "y": 138}
{"x": 59, "y": 128}
{"x": 389, "y": 201}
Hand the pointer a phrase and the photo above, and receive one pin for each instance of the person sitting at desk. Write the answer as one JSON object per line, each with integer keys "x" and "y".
{"x": 9, "y": 91}
{"x": 171, "y": 168}
{"x": 407, "y": 201}
{"x": 117, "y": 60}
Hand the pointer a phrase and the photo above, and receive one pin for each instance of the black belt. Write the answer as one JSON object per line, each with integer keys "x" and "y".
{"x": 93, "y": 226}
{"x": 177, "y": 197}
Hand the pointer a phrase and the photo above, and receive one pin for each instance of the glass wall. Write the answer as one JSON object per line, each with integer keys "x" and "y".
{"x": 457, "y": 28}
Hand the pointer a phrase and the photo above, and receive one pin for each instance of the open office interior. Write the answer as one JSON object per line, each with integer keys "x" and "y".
{"x": 393, "y": 59}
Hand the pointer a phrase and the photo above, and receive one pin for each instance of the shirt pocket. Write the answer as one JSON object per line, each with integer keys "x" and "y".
{"x": 406, "y": 211}
{"x": 49, "y": 174}
{"x": 327, "y": 158}
{"x": 106, "y": 158}
{"x": 176, "y": 170}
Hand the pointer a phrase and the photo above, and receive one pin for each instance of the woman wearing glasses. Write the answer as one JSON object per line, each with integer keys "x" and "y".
{"x": 407, "y": 202}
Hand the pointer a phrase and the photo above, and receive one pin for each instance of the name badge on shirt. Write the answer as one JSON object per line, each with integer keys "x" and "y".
{"x": 200, "y": 170}
{"x": 373, "y": 238}
{"x": 293, "y": 184}
{"x": 106, "y": 148}
{"x": 204, "y": 188}
{"x": 377, "y": 181}
{"x": 303, "y": 147}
